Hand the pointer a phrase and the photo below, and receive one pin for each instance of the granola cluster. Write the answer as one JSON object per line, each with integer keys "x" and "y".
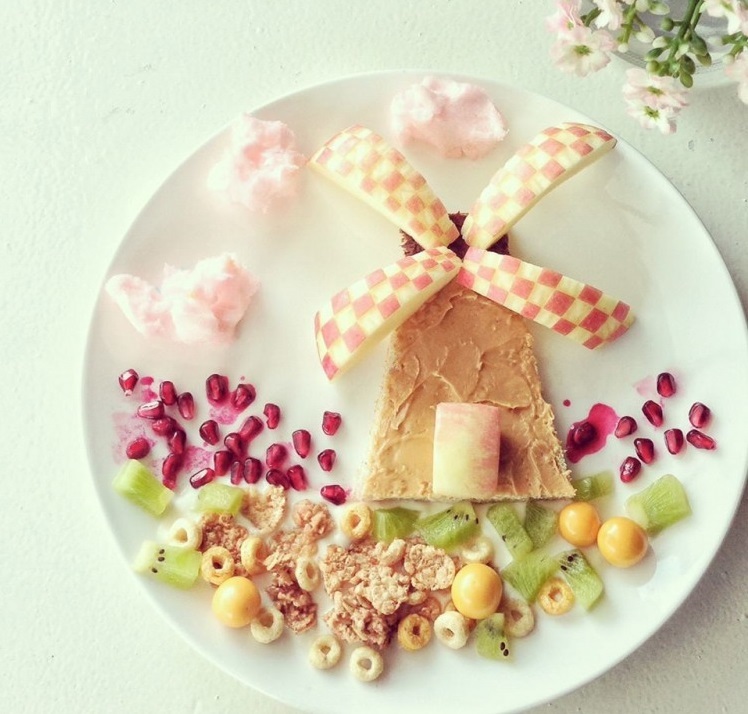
{"x": 222, "y": 530}
{"x": 374, "y": 585}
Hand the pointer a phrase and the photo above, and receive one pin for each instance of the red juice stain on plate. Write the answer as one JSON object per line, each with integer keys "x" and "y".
{"x": 566, "y": 402}
{"x": 589, "y": 435}
{"x": 147, "y": 392}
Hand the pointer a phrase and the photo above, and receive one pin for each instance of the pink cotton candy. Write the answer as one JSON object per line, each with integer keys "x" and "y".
{"x": 198, "y": 306}
{"x": 260, "y": 166}
{"x": 457, "y": 119}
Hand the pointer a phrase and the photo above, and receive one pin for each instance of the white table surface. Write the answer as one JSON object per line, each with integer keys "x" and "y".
{"x": 100, "y": 101}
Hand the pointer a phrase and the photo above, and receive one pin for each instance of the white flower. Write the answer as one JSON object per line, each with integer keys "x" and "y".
{"x": 732, "y": 10}
{"x": 611, "y": 14}
{"x": 566, "y": 16}
{"x": 738, "y": 71}
{"x": 653, "y": 91}
{"x": 650, "y": 118}
{"x": 582, "y": 50}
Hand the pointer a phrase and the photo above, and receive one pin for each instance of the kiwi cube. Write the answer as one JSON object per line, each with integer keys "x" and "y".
{"x": 391, "y": 523}
{"x": 449, "y": 528}
{"x": 528, "y": 573}
{"x": 174, "y": 565}
{"x": 491, "y": 640}
{"x": 541, "y": 523}
{"x": 137, "y": 483}
{"x": 503, "y": 517}
{"x": 660, "y": 505}
{"x": 219, "y": 498}
{"x": 581, "y": 576}
{"x": 591, "y": 487}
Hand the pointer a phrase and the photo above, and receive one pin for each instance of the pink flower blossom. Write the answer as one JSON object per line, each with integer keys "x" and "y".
{"x": 611, "y": 14}
{"x": 582, "y": 50}
{"x": 653, "y": 91}
{"x": 738, "y": 71}
{"x": 566, "y": 17}
{"x": 734, "y": 11}
{"x": 651, "y": 118}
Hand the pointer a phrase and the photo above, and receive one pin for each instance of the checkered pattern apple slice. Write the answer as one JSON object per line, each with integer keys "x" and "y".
{"x": 357, "y": 318}
{"x": 553, "y": 156}
{"x": 363, "y": 163}
{"x": 567, "y": 306}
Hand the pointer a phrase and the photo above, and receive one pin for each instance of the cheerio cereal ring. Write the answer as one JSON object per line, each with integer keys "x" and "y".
{"x": 450, "y": 607}
{"x": 253, "y": 552}
{"x": 356, "y": 522}
{"x": 366, "y": 664}
{"x": 452, "y": 629}
{"x": 325, "y": 652}
{"x": 267, "y": 625}
{"x": 413, "y": 632}
{"x": 519, "y": 620}
{"x": 217, "y": 565}
{"x": 185, "y": 533}
{"x": 478, "y": 550}
{"x": 555, "y": 597}
{"x": 307, "y": 573}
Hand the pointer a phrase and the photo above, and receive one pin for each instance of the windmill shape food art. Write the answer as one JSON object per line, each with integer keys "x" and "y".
{"x": 461, "y": 412}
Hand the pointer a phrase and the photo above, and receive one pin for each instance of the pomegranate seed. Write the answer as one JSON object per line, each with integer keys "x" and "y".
{"x": 200, "y": 478}
{"x": 138, "y": 448}
{"x": 217, "y": 388}
{"x": 177, "y": 441}
{"x": 276, "y": 477}
{"x": 252, "y": 470}
{"x": 171, "y": 467}
{"x": 151, "y": 410}
{"x": 699, "y": 415}
{"x": 331, "y": 423}
{"x": 700, "y": 440}
{"x": 630, "y": 469}
{"x": 653, "y": 412}
{"x": 235, "y": 444}
{"x": 674, "y": 440}
{"x": 275, "y": 455}
{"x": 645, "y": 450}
{"x": 297, "y": 477}
{"x": 242, "y": 396}
{"x": 222, "y": 462}
{"x": 626, "y": 426}
{"x": 251, "y": 427}
{"x": 302, "y": 442}
{"x": 326, "y": 459}
{"x": 209, "y": 432}
{"x": 168, "y": 393}
{"x": 272, "y": 414}
{"x": 582, "y": 433}
{"x": 334, "y": 494}
{"x": 127, "y": 381}
{"x": 165, "y": 426}
{"x": 665, "y": 384}
{"x": 186, "y": 405}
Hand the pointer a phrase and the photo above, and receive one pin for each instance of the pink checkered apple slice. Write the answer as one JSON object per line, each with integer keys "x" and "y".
{"x": 567, "y": 306}
{"x": 363, "y": 163}
{"x": 554, "y": 155}
{"x": 466, "y": 451}
{"x": 357, "y": 318}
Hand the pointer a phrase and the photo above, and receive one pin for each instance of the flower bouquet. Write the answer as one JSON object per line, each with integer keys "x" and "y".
{"x": 675, "y": 45}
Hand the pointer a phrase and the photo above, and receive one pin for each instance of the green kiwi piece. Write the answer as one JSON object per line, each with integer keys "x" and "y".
{"x": 219, "y": 498}
{"x": 660, "y": 505}
{"x": 581, "y": 576}
{"x": 449, "y": 528}
{"x": 137, "y": 483}
{"x": 171, "y": 564}
{"x": 390, "y": 523}
{"x": 503, "y": 517}
{"x": 541, "y": 523}
{"x": 591, "y": 487}
{"x": 490, "y": 639}
{"x": 528, "y": 573}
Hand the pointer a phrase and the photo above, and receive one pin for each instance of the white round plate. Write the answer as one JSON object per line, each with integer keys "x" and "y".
{"x": 618, "y": 225}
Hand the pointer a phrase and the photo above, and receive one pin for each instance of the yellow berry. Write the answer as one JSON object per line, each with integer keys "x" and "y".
{"x": 476, "y": 591}
{"x": 622, "y": 542}
{"x": 579, "y": 523}
{"x": 236, "y": 601}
